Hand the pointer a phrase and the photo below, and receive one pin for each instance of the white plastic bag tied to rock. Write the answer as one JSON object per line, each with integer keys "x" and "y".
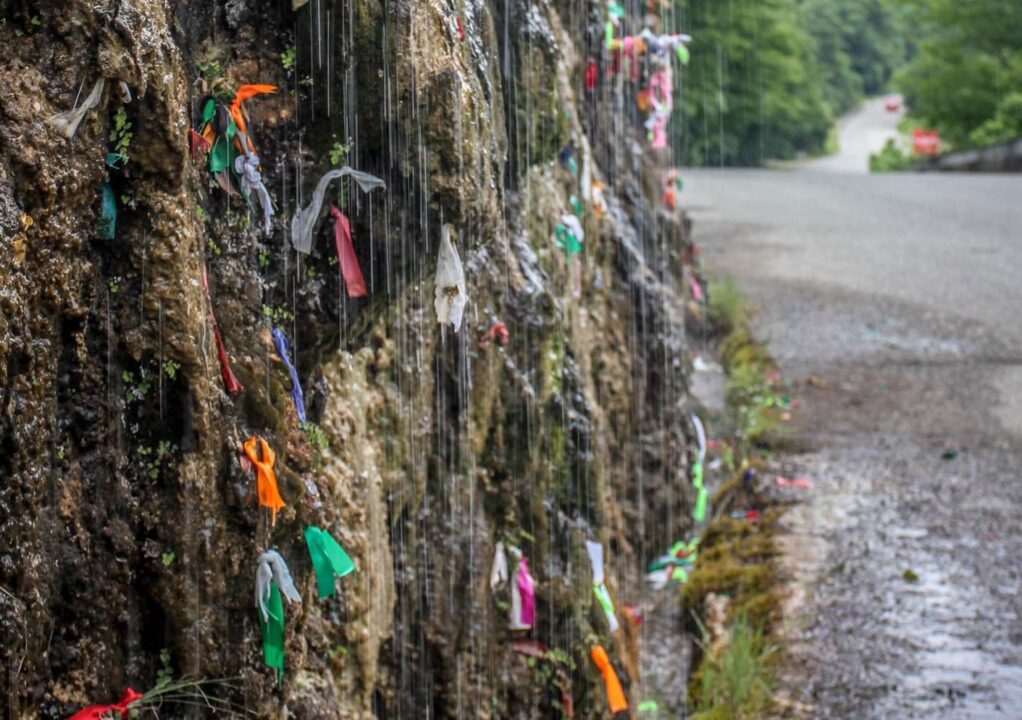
{"x": 498, "y": 573}
{"x": 451, "y": 294}
{"x": 700, "y": 436}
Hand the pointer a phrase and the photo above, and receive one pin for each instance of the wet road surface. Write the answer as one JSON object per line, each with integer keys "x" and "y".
{"x": 893, "y": 304}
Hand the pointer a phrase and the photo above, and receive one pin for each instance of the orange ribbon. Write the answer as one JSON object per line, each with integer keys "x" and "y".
{"x": 244, "y": 93}
{"x": 269, "y": 496}
{"x": 615, "y": 695}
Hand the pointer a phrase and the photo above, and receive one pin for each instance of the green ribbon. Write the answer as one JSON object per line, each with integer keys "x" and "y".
{"x": 608, "y": 34}
{"x": 572, "y": 166}
{"x": 566, "y": 241}
{"x": 615, "y": 10}
{"x": 221, "y": 157}
{"x": 682, "y": 52}
{"x": 576, "y": 205}
{"x": 328, "y": 560}
{"x": 649, "y": 706}
{"x": 273, "y": 631}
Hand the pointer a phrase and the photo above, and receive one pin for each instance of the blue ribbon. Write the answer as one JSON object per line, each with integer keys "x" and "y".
{"x": 280, "y": 341}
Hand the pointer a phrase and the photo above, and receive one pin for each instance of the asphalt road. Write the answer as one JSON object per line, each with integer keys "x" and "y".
{"x": 893, "y": 304}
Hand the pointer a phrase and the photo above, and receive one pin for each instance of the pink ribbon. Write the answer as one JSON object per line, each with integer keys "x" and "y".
{"x": 527, "y": 593}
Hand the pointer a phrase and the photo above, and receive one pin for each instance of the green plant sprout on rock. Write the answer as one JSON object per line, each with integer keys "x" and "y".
{"x": 121, "y": 134}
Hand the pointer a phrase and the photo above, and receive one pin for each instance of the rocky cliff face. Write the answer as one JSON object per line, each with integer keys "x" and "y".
{"x": 129, "y": 525}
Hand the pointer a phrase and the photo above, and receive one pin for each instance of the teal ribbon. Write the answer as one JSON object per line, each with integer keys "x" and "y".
{"x": 107, "y": 226}
{"x": 566, "y": 241}
{"x": 328, "y": 560}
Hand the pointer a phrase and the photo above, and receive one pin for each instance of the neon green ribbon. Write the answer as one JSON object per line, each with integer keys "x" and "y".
{"x": 608, "y": 34}
{"x": 328, "y": 560}
{"x": 699, "y": 513}
{"x": 682, "y": 52}
{"x": 273, "y": 631}
{"x": 603, "y": 597}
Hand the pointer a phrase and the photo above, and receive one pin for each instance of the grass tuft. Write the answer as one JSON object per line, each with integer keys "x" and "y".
{"x": 737, "y": 684}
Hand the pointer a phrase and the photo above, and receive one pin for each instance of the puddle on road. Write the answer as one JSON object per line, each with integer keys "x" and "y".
{"x": 874, "y": 643}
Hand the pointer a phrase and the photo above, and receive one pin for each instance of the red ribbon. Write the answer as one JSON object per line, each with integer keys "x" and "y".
{"x": 197, "y": 143}
{"x": 461, "y": 30}
{"x": 592, "y": 75}
{"x": 98, "y": 712}
{"x": 350, "y": 269}
{"x": 231, "y": 383}
{"x": 498, "y": 331}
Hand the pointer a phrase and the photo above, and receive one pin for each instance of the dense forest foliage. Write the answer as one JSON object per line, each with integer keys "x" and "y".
{"x": 768, "y": 77}
{"x": 965, "y": 76}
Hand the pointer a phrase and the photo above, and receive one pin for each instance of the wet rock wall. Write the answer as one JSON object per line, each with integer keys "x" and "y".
{"x": 129, "y": 526}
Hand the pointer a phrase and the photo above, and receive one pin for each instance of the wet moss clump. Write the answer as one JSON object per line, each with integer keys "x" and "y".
{"x": 734, "y": 591}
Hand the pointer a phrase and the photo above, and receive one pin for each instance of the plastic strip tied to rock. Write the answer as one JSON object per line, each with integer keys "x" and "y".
{"x": 67, "y": 123}
{"x": 600, "y": 591}
{"x": 304, "y": 221}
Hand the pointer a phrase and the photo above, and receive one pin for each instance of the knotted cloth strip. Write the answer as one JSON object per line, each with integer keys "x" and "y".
{"x": 272, "y": 579}
{"x": 231, "y": 383}
{"x": 280, "y": 340}
{"x": 350, "y": 269}
{"x": 99, "y": 712}
{"x": 328, "y": 559}
{"x": 615, "y": 695}
{"x": 262, "y": 456}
